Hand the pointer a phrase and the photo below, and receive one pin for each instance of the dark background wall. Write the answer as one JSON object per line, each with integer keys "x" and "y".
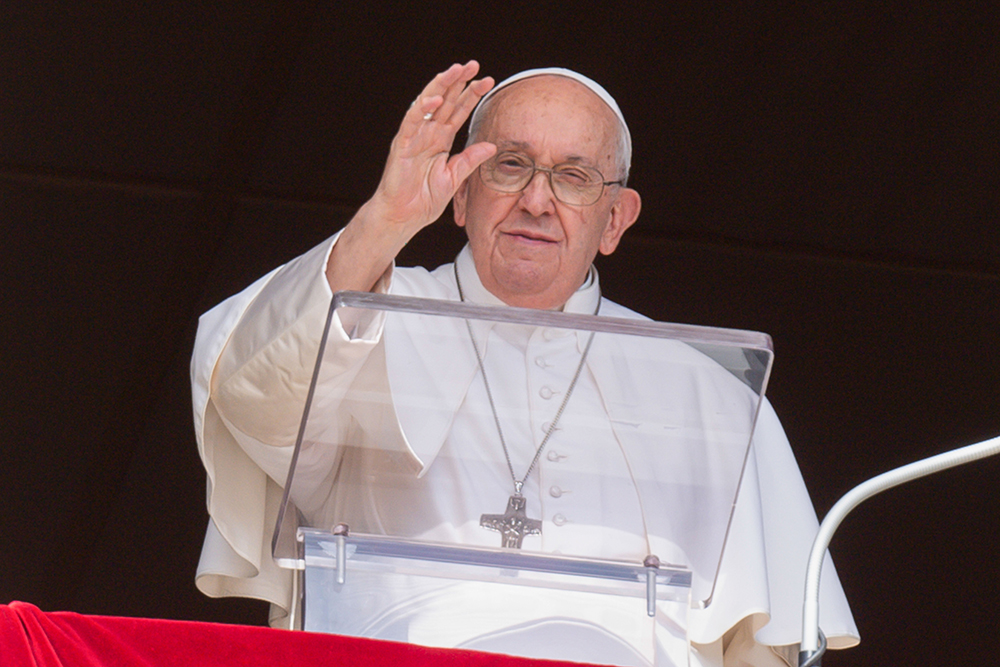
{"x": 826, "y": 173}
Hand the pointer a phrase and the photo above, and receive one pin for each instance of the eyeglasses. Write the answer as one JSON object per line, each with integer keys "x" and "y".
{"x": 572, "y": 184}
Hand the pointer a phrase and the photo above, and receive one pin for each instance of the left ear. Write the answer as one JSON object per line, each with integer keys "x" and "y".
{"x": 624, "y": 213}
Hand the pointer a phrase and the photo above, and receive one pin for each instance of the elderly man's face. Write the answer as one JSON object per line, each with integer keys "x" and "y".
{"x": 530, "y": 249}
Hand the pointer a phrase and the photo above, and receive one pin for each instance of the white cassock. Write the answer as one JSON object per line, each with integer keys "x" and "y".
{"x": 252, "y": 365}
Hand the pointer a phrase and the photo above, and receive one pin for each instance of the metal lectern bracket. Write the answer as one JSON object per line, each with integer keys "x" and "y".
{"x": 655, "y": 579}
{"x": 652, "y": 564}
{"x": 340, "y": 532}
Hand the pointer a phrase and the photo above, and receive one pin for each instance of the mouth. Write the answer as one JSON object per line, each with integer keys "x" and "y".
{"x": 530, "y": 236}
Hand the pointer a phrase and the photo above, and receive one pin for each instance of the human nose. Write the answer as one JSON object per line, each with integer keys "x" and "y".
{"x": 537, "y": 197}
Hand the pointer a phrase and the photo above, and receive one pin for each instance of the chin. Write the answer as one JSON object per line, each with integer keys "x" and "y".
{"x": 523, "y": 277}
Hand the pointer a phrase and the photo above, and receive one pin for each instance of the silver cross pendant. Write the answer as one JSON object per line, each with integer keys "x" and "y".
{"x": 513, "y": 524}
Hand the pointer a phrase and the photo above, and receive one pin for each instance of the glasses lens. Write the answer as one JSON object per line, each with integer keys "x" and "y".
{"x": 571, "y": 184}
{"x": 577, "y": 186}
{"x": 508, "y": 172}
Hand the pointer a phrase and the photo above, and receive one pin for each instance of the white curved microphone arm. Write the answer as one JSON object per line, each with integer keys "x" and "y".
{"x": 853, "y": 498}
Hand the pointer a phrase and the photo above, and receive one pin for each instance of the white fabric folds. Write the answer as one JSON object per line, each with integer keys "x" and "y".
{"x": 253, "y": 361}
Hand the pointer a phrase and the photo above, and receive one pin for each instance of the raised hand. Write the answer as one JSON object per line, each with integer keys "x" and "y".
{"x": 418, "y": 181}
{"x": 420, "y": 178}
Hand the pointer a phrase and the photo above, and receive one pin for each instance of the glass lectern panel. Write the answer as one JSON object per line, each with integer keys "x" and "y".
{"x": 505, "y": 446}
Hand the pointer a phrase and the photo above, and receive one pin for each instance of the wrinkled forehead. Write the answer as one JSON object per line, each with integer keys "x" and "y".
{"x": 553, "y": 119}
{"x": 553, "y": 76}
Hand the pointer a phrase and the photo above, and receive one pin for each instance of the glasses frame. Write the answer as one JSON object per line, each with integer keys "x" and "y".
{"x": 548, "y": 171}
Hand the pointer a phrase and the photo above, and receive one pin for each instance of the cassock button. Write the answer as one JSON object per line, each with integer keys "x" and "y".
{"x": 541, "y": 363}
{"x": 559, "y": 520}
{"x": 555, "y": 491}
{"x": 553, "y": 455}
{"x": 546, "y": 393}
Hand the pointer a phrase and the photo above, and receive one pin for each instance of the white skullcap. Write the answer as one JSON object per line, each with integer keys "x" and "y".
{"x": 595, "y": 87}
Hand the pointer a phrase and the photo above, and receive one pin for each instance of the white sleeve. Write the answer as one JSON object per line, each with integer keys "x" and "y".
{"x": 253, "y": 359}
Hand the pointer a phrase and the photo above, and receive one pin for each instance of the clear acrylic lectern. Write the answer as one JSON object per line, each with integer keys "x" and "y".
{"x": 503, "y": 478}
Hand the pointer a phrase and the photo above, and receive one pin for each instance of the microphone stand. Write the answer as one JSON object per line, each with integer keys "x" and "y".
{"x": 813, "y": 643}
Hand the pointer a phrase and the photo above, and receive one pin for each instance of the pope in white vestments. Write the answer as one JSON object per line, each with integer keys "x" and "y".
{"x": 251, "y": 370}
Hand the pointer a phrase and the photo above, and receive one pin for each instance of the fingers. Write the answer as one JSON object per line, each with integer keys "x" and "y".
{"x": 432, "y": 96}
{"x": 459, "y": 90}
{"x": 449, "y": 83}
{"x": 450, "y": 96}
{"x": 470, "y": 97}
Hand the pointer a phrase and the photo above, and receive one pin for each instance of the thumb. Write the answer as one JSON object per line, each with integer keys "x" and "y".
{"x": 461, "y": 165}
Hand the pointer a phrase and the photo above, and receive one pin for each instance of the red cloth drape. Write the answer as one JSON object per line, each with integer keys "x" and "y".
{"x": 30, "y": 637}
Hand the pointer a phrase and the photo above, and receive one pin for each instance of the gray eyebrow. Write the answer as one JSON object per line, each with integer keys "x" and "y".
{"x": 508, "y": 145}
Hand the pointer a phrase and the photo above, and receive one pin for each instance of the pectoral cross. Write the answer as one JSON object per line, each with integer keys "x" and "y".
{"x": 513, "y": 524}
